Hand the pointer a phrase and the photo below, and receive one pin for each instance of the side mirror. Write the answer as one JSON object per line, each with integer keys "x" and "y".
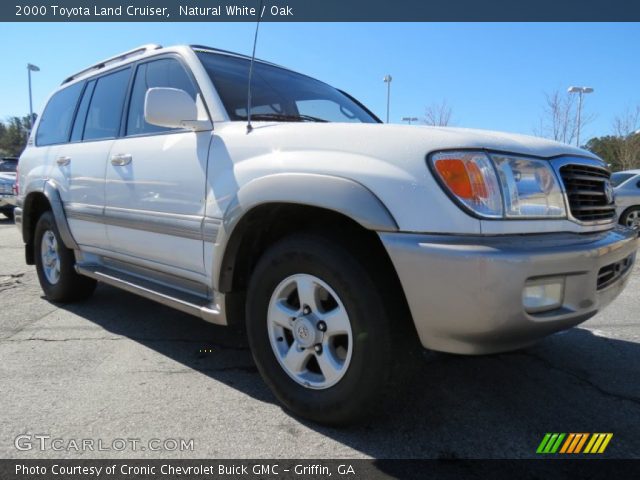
{"x": 172, "y": 108}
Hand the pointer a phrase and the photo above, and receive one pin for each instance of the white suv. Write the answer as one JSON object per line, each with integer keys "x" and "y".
{"x": 339, "y": 240}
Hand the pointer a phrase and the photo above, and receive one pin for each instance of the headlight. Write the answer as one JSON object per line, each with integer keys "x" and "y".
{"x": 530, "y": 187}
{"x": 471, "y": 178}
{"x": 501, "y": 186}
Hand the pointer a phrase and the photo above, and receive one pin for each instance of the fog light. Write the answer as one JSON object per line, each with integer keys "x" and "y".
{"x": 543, "y": 294}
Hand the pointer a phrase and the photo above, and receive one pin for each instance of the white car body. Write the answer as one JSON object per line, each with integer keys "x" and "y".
{"x": 174, "y": 207}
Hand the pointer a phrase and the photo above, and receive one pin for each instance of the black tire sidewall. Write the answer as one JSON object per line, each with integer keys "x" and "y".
{"x": 625, "y": 214}
{"x": 369, "y": 368}
{"x": 67, "y": 287}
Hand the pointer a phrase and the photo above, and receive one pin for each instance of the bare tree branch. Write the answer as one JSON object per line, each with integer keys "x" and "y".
{"x": 559, "y": 118}
{"x": 438, "y": 114}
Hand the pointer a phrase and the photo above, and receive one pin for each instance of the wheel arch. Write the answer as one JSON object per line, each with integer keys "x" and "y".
{"x": 268, "y": 223}
{"x": 625, "y": 212}
{"x": 42, "y": 197}
{"x": 300, "y": 195}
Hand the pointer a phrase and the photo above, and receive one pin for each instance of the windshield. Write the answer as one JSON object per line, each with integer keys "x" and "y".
{"x": 619, "y": 178}
{"x": 278, "y": 94}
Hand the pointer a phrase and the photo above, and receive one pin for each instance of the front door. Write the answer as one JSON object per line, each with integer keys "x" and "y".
{"x": 155, "y": 182}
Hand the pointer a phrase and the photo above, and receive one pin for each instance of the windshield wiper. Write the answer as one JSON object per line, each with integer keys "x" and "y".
{"x": 281, "y": 117}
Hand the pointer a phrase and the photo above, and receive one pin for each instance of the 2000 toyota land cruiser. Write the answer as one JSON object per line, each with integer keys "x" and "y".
{"x": 335, "y": 237}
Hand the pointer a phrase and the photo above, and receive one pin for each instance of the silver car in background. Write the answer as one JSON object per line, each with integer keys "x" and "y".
{"x": 627, "y": 189}
{"x": 8, "y": 167}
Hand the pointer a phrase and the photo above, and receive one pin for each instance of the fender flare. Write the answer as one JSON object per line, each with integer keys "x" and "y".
{"x": 339, "y": 194}
{"x": 50, "y": 191}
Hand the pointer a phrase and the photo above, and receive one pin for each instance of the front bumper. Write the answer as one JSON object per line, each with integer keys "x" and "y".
{"x": 465, "y": 293}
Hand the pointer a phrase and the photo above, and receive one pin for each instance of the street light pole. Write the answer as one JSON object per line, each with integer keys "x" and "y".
{"x": 387, "y": 79}
{"x": 580, "y": 91}
{"x": 31, "y": 68}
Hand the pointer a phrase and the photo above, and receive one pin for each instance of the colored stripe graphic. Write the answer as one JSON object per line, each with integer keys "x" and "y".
{"x": 598, "y": 442}
{"x": 543, "y": 443}
{"x": 581, "y": 442}
{"x": 565, "y": 447}
{"x": 555, "y": 443}
{"x": 555, "y": 447}
{"x": 550, "y": 443}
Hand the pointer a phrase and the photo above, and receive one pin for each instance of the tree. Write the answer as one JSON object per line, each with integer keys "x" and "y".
{"x": 559, "y": 118}
{"x": 13, "y": 135}
{"x": 622, "y": 149}
{"x": 626, "y": 126}
{"x": 438, "y": 114}
{"x": 606, "y": 148}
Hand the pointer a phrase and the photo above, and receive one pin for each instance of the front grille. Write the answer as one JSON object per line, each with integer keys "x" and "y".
{"x": 587, "y": 189}
{"x": 610, "y": 273}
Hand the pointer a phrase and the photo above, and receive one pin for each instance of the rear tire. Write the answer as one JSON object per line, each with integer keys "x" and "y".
{"x": 55, "y": 265}
{"x": 343, "y": 381}
{"x": 8, "y": 214}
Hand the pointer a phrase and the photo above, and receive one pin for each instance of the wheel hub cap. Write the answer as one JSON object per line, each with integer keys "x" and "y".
{"x": 304, "y": 333}
{"x": 50, "y": 257}
{"x": 309, "y": 331}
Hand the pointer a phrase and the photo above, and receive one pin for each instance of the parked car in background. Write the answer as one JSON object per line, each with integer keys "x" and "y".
{"x": 627, "y": 190}
{"x": 8, "y": 166}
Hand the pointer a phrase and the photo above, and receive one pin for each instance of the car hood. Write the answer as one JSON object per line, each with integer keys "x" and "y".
{"x": 408, "y": 139}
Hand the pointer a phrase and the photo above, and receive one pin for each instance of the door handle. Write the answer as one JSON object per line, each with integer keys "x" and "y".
{"x": 121, "y": 159}
{"x": 63, "y": 161}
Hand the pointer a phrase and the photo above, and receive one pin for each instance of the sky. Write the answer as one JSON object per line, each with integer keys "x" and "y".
{"x": 493, "y": 75}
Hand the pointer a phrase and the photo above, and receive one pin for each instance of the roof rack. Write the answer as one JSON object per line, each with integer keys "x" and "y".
{"x": 118, "y": 58}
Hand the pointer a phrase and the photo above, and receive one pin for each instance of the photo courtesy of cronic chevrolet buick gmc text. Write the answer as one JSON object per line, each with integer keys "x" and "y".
{"x": 340, "y": 241}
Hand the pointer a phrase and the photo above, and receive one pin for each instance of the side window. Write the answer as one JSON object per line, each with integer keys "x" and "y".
{"x": 57, "y": 116}
{"x": 81, "y": 116}
{"x": 166, "y": 72}
{"x": 105, "y": 110}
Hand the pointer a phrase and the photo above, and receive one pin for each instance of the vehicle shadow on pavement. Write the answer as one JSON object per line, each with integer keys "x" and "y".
{"x": 494, "y": 406}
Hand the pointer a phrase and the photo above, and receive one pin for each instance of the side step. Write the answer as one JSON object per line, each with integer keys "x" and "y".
{"x": 185, "y": 302}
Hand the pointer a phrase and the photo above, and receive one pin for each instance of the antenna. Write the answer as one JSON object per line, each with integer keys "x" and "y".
{"x": 253, "y": 58}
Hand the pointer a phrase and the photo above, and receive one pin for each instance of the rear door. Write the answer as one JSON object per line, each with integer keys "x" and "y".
{"x": 82, "y": 161}
{"x": 156, "y": 179}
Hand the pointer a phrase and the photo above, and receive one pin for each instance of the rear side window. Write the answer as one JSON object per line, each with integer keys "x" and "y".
{"x": 167, "y": 72}
{"x": 78, "y": 125}
{"x": 57, "y": 116}
{"x": 105, "y": 110}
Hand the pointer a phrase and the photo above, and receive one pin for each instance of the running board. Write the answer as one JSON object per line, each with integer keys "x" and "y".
{"x": 185, "y": 302}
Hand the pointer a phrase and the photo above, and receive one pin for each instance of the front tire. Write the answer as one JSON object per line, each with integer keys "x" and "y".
{"x": 631, "y": 217}
{"x": 55, "y": 265}
{"x": 318, "y": 330}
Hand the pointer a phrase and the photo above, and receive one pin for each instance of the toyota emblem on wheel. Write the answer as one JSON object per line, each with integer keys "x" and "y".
{"x": 303, "y": 332}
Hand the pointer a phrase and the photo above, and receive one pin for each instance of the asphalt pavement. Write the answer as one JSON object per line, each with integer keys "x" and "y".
{"x": 119, "y": 367}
